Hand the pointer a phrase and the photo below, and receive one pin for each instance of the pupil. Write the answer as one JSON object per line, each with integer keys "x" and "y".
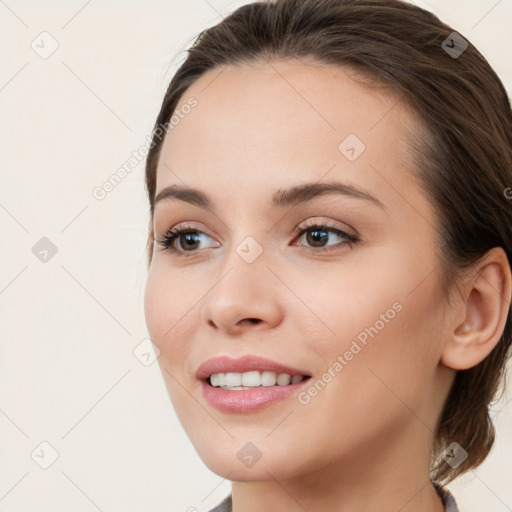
{"x": 316, "y": 237}
{"x": 190, "y": 243}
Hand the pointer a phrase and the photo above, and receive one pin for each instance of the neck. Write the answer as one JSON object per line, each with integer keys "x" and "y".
{"x": 387, "y": 478}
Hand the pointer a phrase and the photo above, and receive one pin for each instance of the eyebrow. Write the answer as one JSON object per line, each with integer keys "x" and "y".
{"x": 281, "y": 198}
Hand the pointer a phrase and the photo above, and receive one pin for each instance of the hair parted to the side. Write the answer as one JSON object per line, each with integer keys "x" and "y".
{"x": 464, "y": 156}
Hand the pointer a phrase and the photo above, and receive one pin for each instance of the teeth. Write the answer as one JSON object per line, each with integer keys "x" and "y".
{"x": 252, "y": 379}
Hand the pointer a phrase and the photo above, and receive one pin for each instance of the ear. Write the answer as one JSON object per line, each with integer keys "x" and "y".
{"x": 486, "y": 299}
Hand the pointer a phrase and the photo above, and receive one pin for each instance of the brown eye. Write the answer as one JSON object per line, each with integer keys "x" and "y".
{"x": 318, "y": 235}
{"x": 188, "y": 240}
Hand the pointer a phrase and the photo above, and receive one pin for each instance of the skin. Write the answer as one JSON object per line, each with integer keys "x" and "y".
{"x": 363, "y": 442}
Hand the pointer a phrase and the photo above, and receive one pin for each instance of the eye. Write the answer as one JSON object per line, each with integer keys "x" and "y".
{"x": 317, "y": 234}
{"x": 189, "y": 238}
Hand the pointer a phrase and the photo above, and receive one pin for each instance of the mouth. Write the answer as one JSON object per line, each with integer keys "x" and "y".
{"x": 250, "y": 383}
{"x": 251, "y": 391}
{"x": 248, "y": 372}
{"x": 254, "y": 379}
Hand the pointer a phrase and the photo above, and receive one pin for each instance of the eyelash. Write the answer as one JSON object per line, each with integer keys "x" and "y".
{"x": 172, "y": 234}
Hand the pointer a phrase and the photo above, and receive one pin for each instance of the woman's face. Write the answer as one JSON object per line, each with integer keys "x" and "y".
{"x": 363, "y": 318}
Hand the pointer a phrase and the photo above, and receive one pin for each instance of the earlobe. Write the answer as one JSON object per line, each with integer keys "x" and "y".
{"x": 487, "y": 296}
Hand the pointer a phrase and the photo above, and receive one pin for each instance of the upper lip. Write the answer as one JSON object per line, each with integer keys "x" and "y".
{"x": 224, "y": 364}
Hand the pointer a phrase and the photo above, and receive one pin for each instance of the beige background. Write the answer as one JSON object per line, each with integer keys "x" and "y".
{"x": 70, "y": 325}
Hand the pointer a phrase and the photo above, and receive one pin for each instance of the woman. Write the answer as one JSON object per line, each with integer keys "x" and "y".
{"x": 329, "y": 254}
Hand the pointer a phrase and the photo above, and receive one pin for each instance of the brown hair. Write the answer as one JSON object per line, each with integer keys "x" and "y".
{"x": 464, "y": 158}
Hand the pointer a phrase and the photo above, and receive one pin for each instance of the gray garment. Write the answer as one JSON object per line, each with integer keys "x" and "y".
{"x": 448, "y": 500}
{"x": 223, "y": 506}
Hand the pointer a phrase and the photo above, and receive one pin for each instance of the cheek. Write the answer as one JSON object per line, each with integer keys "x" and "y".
{"x": 339, "y": 305}
{"x": 169, "y": 304}
{"x": 383, "y": 316}
{"x": 388, "y": 341}
{"x": 155, "y": 309}
{"x": 378, "y": 366}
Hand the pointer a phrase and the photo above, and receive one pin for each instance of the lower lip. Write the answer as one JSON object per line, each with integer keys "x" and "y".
{"x": 249, "y": 400}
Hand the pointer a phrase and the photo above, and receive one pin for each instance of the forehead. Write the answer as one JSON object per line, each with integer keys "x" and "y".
{"x": 270, "y": 124}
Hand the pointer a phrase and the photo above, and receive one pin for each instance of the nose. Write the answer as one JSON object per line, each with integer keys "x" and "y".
{"x": 244, "y": 297}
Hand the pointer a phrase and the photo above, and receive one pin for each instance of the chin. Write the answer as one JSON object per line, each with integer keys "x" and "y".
{"x": 237, "y": 460}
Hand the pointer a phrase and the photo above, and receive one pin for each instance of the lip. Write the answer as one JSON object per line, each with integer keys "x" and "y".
{"x": 224, "y": 364}
{"x": 247, "y": 400}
